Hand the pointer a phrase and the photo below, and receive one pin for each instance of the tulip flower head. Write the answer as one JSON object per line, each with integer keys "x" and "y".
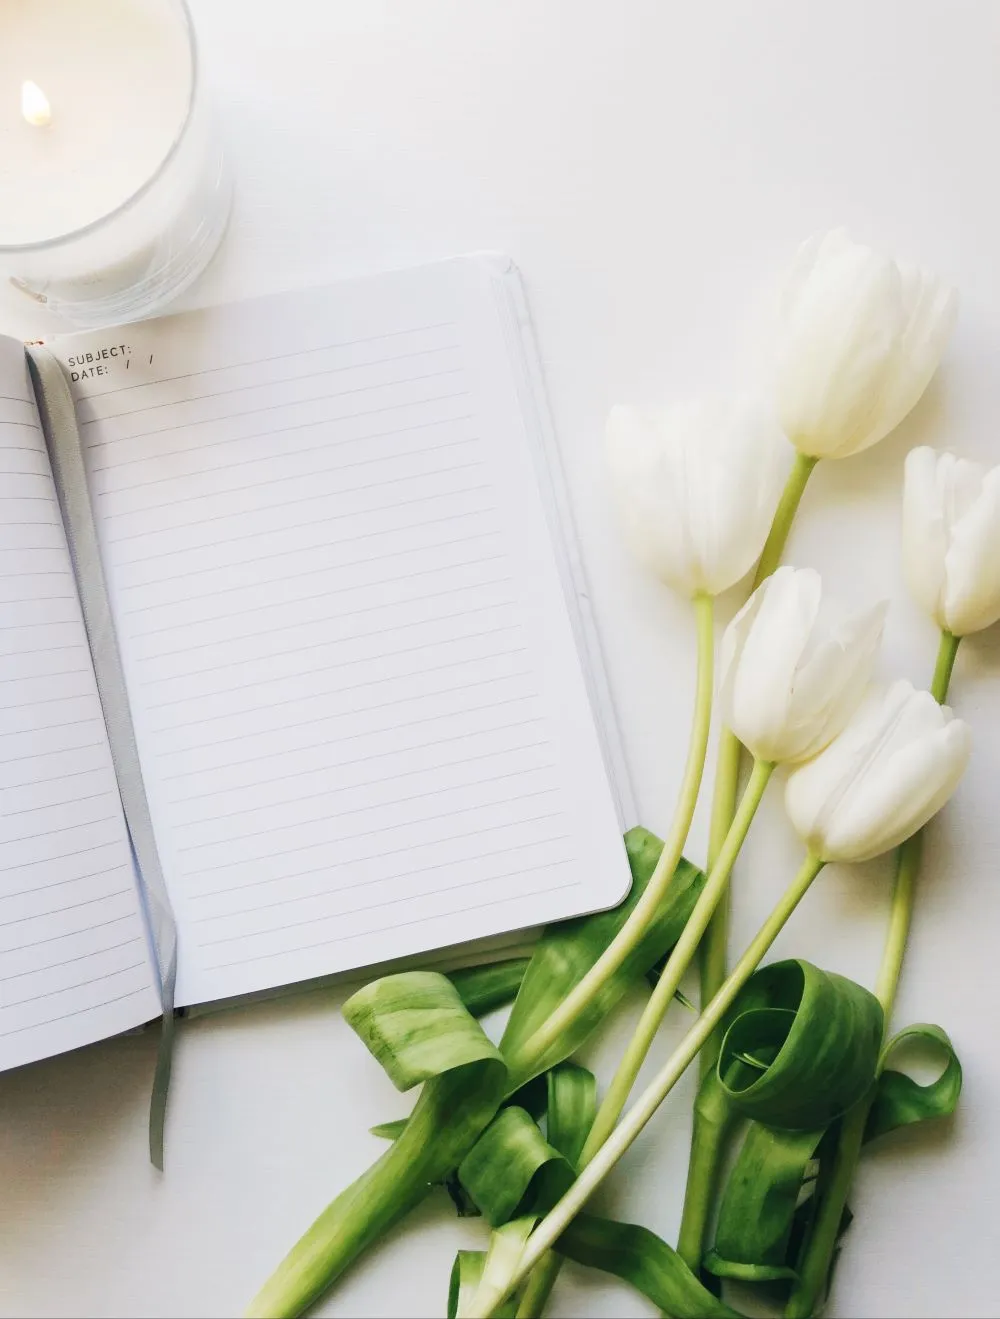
{"x": 951, "y": 539}
{"x": 894, "y": 766}
{"x": 794, "y": 669}
{"x": 696, "y": 487}
{"x": 859, "y": 337}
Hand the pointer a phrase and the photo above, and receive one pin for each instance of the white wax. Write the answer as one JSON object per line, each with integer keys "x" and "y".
{"x": 118, "y": 76}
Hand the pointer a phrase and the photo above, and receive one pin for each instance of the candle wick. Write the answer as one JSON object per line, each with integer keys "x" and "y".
{"x": 35, "y": 105}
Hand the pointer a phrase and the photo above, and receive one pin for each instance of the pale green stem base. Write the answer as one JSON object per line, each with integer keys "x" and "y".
{"x": 551, "y": 1227}
{"x": 538, "y": 1044}
{"x": 817, "y": 1256}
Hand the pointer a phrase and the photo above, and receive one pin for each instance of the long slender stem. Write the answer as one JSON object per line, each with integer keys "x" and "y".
{"x": 727, "y": 773}
{"x": 678, "y": 962}
{"x": 817, "y": 1256}
{"x": 551, "y": 1227}
{"x": 538, "y": 1044}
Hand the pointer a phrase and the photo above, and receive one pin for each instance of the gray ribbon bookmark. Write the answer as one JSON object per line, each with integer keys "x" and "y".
{"x": 55, "y": 405}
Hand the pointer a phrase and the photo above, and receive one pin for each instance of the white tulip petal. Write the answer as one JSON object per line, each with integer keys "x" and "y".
{"x": 925, "y": 532}
{"x": 912, "y": 785}
{"x": 764, "y": 680}
{"x": 858, "y": 339}
{"x": 730, "y": 650}
{"x": 696, "y": 487}
{"x": 892, "y": 768}
{"x": 792, "y": 676}
{"x": 932, "y": 309}
{"x": 831, "y": 683}
{"x": 972, "y": 564}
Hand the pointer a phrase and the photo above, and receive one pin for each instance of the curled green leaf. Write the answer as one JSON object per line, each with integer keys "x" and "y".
{"x": 643, "y": 1260}
{"x": 899, "y": 1100}
{"x": 814, "y": 1038}
{"x": 512, "y": 1169}
{"x": 757, "y": 1214}
{"x": 416, "y": 1025}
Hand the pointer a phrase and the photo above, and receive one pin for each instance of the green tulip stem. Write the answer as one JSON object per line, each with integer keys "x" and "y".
{"x": 816, "y": 1260}
{"x": 555, "y": 1222}
{"x": 706, "y": 1145}
{"x": 714, "y": 947}
{"x": 677, "y": 964}
{"x": 537, "y": 1045}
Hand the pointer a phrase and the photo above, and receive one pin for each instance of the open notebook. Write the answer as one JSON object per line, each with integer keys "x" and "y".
{"x": 292, "y": 655}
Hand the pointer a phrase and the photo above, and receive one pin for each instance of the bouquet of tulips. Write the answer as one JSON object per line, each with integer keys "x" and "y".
{"x": 794, "y": 1059}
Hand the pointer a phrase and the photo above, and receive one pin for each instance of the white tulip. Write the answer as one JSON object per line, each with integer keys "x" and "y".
{"x": 696, "y": 486}
{"x": 951, "y": 539}
{"x": 894, "y": 766}
{"x": 858, "y": 338}
{"x": 792, "y": 674}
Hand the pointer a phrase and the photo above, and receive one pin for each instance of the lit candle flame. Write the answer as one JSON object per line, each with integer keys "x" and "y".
{"x": 35, "y": 105}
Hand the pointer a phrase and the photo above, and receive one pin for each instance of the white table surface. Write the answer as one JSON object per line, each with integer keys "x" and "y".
{"x": 649, "y": 164}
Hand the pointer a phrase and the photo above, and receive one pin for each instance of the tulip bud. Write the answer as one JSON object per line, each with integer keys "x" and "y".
{"x": 951, "y": 539}
{"x": 858, "y": 339}
{"x": 696, "y": 486}
{"x": 894, "y": 766}
{"x": 792, "y": 676}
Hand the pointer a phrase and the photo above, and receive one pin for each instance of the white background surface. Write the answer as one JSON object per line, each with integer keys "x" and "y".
{"x": 650, "y": 165}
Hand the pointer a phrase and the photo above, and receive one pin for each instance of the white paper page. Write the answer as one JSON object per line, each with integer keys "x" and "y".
{"x": 74, "y": 961}
{"x": 359, "y": 708}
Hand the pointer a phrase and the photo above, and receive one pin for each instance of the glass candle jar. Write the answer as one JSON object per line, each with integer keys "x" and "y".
{"x": 114, "y": 190}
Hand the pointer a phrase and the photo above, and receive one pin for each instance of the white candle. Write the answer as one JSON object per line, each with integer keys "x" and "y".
{"x": 112, "y": 195}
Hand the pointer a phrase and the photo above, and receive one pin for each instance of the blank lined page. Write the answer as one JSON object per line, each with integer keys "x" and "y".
{"x": 74, "y": 961}
{"x": 360, "y": 711}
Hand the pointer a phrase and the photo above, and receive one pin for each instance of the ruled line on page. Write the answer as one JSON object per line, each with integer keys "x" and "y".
{"x": 378, "y": 755}
{"x": 281, "y": 380}
{"x": 66, "y": 989}
{"x": 351, "y": 737}
{"x": 354, "y": 636}
{"x": 320, "y": 521}
{"x": 398, "y": 898}
{"x": 360, "y": 934}
{"x": 386, "y": 879}
{"x": 380, "y": 805}
{"x": 379, "y": 779}
{"x": 314, "y": 522}
{"x": 255, "y": 412}
{"x": 262, "y": 608}
{"x": 270, "y": 407}
{"x": 285, "y": 430}
{"x": 299, "y": 550}
{"x": 58, "y": 883}
{"x": 295, "y": 674}
{"x": 259, "y": 361}
{"x": 297, "y": 503}
{"x": 369, "y": 833}
{"x": 69, "y": 961}
{"x": 362, "y": 833}
{"x": 269, "y": 458}
{"x": 64, "y": 1016}
{"x": 409, "y": 699}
